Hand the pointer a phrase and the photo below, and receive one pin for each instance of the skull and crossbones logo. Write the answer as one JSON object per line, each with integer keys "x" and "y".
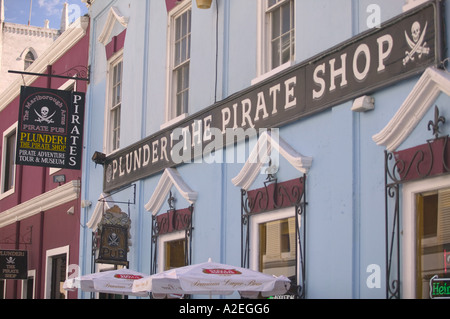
{"x": 113, "y": 240}
{"x": 417, "y": 44}
{"x": 44, "y": 116}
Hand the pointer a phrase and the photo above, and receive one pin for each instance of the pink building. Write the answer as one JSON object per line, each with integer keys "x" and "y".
{"x": 40, "y": 206}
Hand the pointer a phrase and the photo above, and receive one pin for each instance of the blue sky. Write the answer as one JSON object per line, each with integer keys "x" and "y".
{"x": 18, "y": 11}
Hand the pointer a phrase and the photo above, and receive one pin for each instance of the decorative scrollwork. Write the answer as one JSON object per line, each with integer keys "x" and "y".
{"x": 418, "y": 162}
{"x": 172, "y": 220}
{"x": 76, "y": 72}
{"x": 23, "y": 238}
{"x": 272, "y": 196}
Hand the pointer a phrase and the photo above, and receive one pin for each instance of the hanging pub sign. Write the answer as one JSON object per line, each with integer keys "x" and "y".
{"x": 50, "y": 128}
{"x": 114, "y": 232}
{"x": 13, "y": 264}
{"x": 402, "y": 47}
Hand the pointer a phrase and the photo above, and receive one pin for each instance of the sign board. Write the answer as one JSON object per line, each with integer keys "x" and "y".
{"x": 400, "y": 48}
{"x": 113, "y": 245}
{"x": 13, "y": 264}
{"x": 439, "y": 288}
{"x": 50, "y": 128}
{"x": 114, "y": 233}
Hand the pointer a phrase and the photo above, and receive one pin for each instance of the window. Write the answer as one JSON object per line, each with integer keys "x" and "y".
{"x": 426, "y": 234}
{"x": 28, "y": 285}
{"x": 433, "y": 238}
{"x": 58, "y": 276}
{"x": 56, "y": 272}
{"x": 276, "y": 36}
{"x": 282, "y": 31}
{"x": 172, "y": 251}
{"x": 8, "y": 160}
{"x": 115, "y": 104}
{"x": 2, "y": 288}
{"x": 29, "y": 59}
{"x": 180, "y": 47}
{"x": 175, "y": 253}
{"x": 277, "y": 247}
{"x": 273, "y": 243}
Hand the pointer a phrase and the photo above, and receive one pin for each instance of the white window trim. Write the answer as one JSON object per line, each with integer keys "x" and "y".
{"x": 257, "y": 219}
{"x": 409, "y": 228}
{"x": 173, "y": 14}
{"x": 263, "y": 69}
{"x": 162, "y": 240}
{"x": 107, "y": 137}
{"x": 49, "y": 254}
{"x": 6, "y": 133}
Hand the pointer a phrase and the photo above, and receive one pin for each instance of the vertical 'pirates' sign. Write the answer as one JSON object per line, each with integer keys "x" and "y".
{"x": 114, "y": 232}
{"x": 50, "y": 128}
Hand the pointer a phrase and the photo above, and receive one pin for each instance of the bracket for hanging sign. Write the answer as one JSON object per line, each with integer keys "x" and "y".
{"x": 86, "y": 71}
{"x": 117, "y": 191}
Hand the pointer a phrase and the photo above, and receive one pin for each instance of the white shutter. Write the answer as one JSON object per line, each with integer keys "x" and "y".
{"x": 443, "y": 226}
{"x": 273, "y": 240}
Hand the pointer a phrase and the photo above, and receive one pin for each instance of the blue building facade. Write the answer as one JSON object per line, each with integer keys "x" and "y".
{"x": 270, "y": 135}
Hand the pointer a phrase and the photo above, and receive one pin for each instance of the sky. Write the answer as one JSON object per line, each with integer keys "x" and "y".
{"x": 18, "y": 11}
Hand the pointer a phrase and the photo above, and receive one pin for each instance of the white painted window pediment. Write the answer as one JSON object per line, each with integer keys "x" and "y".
{"x": 114, "y": 16}
{"x": 170, "y": 177}
{"x": 98, "y": 212}
{"x": 267, "y": 142}
{"x": 431, "y": 84}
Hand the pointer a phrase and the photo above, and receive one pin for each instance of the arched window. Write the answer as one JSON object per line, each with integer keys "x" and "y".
{"x": 29, "y": 59}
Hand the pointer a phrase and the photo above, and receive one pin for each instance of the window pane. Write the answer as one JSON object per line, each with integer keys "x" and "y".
{"x": 8, "y": 182}
{"x": 2, "y": 289}
{"x": 29, "y": 59}
{"x": 282, "y": 31}
{"x": 29, "y": 287}
{"x": 115, "y": 107}
{"x": 285, "y": 18}
{"x": 116, "y": 128}
{"x": 276, "y": 22}
{"x": 433, "y": 238}
{"x": 188, "y": 55}
{"x": 285, "y": 48}
{"x": 182, "y": 89}
{"x": 184, "y": 49}
{"x": 275, "y": 54}
{"x": 180, "y": 69}
{"x": 175, "y": 254}
{"x": 58, "y": 277}
{"x": 271, "y": 3}
{"x": 277, "y": 253}
{"x": 177, "y": 53}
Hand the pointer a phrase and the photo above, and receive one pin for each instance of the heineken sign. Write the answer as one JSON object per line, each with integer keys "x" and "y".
{"x": 400, "y": 48}
{"x": 439, "y": 288}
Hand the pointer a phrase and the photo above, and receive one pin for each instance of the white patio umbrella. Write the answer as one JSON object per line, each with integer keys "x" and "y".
{"x": 212, "y": 279}
{"x": 118, "y": 281}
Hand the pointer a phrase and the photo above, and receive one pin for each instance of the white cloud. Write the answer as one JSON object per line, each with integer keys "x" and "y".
{"x": 51, "y": 7}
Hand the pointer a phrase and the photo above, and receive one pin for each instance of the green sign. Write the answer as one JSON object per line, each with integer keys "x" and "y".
{"x": 439, "y": 287}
